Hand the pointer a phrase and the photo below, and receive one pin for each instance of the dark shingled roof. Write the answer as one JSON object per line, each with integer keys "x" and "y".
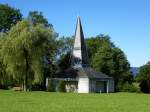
{"x": 91, "y": 73}
{"x": 83, "y": 72}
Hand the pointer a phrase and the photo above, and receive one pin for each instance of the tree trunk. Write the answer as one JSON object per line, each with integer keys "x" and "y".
{"x": 23, "y": 85}
{"x": 26, "y": 81}
{"x": 27, "y": 68}
{"x": 44, "y": 82}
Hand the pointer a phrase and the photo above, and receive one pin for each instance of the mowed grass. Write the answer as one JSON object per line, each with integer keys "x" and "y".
{"x": 11, "y": 101}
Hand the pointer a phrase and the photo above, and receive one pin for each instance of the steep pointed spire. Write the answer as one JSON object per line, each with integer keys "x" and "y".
{"x": 80, "y": 57}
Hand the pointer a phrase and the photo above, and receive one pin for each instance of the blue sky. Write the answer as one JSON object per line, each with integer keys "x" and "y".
{"x": 127, "y": 22}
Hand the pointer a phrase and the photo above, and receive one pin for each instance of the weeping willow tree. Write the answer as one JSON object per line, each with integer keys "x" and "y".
{"x": 4, "y": 79}
{"x": 23, "y": 52}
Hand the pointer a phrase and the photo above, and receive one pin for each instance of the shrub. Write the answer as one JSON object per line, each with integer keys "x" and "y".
{"x": 3, "y": 87}
{"x": 126, "y": 87}
{"x": 145, "y": 86}
{"x": 51, "y": 87}
{"x": 137, "y": 86}
{"x": 61, "y": 86}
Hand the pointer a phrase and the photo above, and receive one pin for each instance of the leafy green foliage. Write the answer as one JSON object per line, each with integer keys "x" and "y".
{"x": 107, "y": 58}
{"x": 37, "y": 18}
{"x": 51, "y": 87}
{"x": 65, "y": 61}
{"x": 94, "y": 43}
{"x": 144, "y": 73}
{"x": 61, "y": 86}
{"x": 63, "y": 55}
{"x": 65, "y": 45}
{"x": 144, "y": 78}
{"x": 8, "y": 17}
{"x": 4, "y": 78}
{"x": 23, "y": 51}
{"x": 127, "y": 87}
{"x": 49, "y": 68}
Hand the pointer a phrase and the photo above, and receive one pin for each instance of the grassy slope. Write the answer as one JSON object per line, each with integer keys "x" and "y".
{"x": 66, "y": 102}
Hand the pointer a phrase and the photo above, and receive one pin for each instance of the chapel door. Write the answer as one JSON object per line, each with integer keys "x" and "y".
{"x": 101, "y": 86}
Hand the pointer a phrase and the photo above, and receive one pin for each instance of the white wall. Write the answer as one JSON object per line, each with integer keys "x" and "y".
{"x": 83, "y": 85}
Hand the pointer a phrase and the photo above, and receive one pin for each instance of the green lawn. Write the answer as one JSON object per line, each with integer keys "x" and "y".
{"x": 11, "y": 101}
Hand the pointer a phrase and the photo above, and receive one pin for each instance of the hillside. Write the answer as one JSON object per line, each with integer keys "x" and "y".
{"x": 134, "y": 70}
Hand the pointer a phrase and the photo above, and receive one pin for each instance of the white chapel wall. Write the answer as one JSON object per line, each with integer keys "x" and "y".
{"x": 83, "y": 85}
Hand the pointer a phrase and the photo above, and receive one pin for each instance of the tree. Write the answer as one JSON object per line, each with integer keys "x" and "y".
{"x": 23, "y": 52}
{"x": 144, "y": 78}
{"x": 109, "y": 59}
{"x": 65, "y": 61}
{"x": 94, "y": 43}
{"x": 51, "y": 86}
{"x": 111, "y": 62}
{"x": 37, "y": 18}
{"x": 63, "y": 55}
{"x": 61, "y": 86}
{"x": 4, "y": 79}
{"x": 65, "y": 45}
{"x": 8, "y": 17}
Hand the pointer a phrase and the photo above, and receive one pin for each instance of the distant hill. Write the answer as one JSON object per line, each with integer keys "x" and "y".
{"x": 134, "y": 70}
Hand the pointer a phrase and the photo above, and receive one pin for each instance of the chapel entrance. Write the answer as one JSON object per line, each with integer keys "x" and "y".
{"x": 101, "y": 86}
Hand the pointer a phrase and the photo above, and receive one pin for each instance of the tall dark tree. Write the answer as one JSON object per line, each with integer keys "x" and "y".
{"x": 144, "y": 78}
{"x": 94, "y": 43}
{"x": 8, "y": 17}
{"x": 63, "y": 56}
{"x": 65, "y": 61}
{"x": 37, "y": 18}
{"x": 65, "y": 45}
{"x": 107, "y": 58}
